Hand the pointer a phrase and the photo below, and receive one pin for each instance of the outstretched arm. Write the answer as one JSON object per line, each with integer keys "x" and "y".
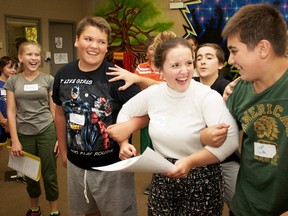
{"x": 129, "y": 78}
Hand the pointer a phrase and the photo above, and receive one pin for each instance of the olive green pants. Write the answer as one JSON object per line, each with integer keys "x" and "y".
{"x": 42, "y": 145}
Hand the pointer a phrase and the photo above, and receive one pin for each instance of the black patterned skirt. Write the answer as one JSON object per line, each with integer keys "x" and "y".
{"x": 200, "y": 193}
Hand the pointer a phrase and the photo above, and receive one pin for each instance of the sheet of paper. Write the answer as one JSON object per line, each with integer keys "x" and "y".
{"x": 28, "y": 164}
{"x": 150, "y": 161}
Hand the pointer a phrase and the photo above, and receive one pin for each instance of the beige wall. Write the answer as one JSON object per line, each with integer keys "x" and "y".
{"x": 66, "y": 10}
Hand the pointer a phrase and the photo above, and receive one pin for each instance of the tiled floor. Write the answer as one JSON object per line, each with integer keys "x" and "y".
{"x": 14, "y": 199}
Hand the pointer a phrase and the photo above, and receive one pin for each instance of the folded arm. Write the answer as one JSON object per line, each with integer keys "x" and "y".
{"x": 122, "y": 131}
{"x": 215, "y": 135}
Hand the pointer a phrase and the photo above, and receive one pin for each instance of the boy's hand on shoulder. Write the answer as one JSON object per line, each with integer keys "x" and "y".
{"x": 122, "y": 74}
{"x": 229, "y": 88}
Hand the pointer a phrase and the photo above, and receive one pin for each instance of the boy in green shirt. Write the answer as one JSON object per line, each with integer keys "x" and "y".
{"x": 257, "y": 40}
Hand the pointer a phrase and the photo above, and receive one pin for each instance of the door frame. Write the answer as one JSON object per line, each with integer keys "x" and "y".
{"x": 58, "y": 21}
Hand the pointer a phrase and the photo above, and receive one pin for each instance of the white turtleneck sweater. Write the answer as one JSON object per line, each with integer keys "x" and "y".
{"x": 176, "y": 119}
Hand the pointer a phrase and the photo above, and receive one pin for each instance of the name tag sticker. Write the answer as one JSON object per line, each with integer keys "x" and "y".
{"x": 264, "y": 150}
{"x": 77, "y": 119}
{"x": 3, "y": 92}
{"x": 31, "y": 87}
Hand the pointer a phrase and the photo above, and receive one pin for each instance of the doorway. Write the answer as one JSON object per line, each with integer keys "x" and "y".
{"x": 19, "y": 29}
{"x": 61, "y": 44}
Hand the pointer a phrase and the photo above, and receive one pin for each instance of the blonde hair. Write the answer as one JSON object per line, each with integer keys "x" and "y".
{"x": 163, "y": 36}
{"x": 22, "y": 48}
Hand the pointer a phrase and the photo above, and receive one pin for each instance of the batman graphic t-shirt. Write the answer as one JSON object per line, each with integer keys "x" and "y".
{"x": 90, "y": 104}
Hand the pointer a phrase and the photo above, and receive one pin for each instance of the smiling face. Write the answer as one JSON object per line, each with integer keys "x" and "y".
{"x": 30, "y": 57}
{"x": 92, "y": 47}
{"x": 178, "y": 68}
{"x": 246, "y": 60}
{"x": 9, "y": 70}
{"x": 207, "y": 63}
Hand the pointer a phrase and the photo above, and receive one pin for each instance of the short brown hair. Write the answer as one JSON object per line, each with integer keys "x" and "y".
{"x": 255, "y": 22}
{"x": 5, "y": 60}
{"x": 163, "y": 36}
{"x": 95, "y": 21}
{"x": 219, "y": 51}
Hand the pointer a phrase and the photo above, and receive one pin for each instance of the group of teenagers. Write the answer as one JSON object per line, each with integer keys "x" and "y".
{"x": 88, "y": 112}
